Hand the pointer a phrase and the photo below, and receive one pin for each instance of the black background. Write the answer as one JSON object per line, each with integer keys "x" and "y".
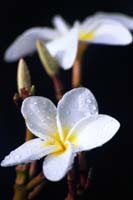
{"x": 105, "y": 73}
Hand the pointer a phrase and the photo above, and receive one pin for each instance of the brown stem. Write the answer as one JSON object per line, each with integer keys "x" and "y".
{"x": 35, "y": 181}
{"x": 36, "y": 190}
{"x": 28, "y": 135}
{"x": 83, "y": 168}
{"x": 24, "y": 190}
{"x": 85, "y": 176}
{"x": 20, "y": 193}
{"x": 77, "y": 71}
{"x": 71, "y": 185}
{"x": 57, "y": 86}
{"x": 21, "y": 174}
{"x": 32, "y": 169}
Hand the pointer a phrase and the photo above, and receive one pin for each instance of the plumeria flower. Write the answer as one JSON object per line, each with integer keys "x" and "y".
{"x": 62, "y": 132}
{"x": 63, "y": 48}
{"x": 100, "y": 31}
{"x": 126, "y": 20}
{"x": 105, "y": 31}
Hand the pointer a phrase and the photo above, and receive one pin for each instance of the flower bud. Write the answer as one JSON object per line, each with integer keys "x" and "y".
{"x": 48, "y": 61}
{"x": 23, "y": 77}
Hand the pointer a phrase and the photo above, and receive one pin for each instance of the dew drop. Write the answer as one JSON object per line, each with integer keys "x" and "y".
{"x": 94, "y": 107}
{"x": 31, "y": 125}
{"x": 39, "y": 130}
{"x": 88, "y": 101}
{"x": 17, "y": 157}
{"x": 47, "y": 117}
{"x": 7, "y": 157}
{"x": 31, "y": 113}
{"x": 88, "y": 115}
{"x": 68, "y": 112}
{"x": 38, "y": 111}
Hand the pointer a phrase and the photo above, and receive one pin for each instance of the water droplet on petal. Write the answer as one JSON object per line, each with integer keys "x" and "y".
{"x": 88, "y": 101}
{"x": 94, "y": 107}
{"x": 17, "y": 157}
{"x": 31, "y": 113}
{"x": 7, "y": 157}
{"x": 31, "y": 125}
{"x": 68, "y": 112}
{"x": 48, "y": 117}
{"x": 39, "y": 130}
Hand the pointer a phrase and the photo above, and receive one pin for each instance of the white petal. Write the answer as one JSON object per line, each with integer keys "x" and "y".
{"x": 108, "y": 32}
{"x": 93, "y": 133}
{"x": 29, "y": 151}
{"x": 60, "y": 24}
{"x": 119, "y": 17}
{"x": 65, "y": 48}
{"x": 40, "y": 116}
{"x": 75, "y": 105}
{"x": 25, "y": 44}
{"x": 55, "y": 167}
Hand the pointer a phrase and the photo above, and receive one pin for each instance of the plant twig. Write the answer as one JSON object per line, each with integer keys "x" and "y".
{"x": 85, "y": 175}
{"x": 71, "y": 185}
{"x": 24, "y": 190}
{"x": 36, "y": 190}
{"x": 32, "y": 169}
{"x": 57, "y": 86}
{"x": 35, "y": 181}
{"x": 76, "y": 70}
{"x": 20, "y": 193}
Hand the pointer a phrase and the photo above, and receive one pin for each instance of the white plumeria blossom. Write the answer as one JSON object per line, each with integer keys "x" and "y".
{"x": 62, "y": 132}
{"x": 126, "y": 20}
{"x": 64, "y": 38}
{"x": 100, "y": 30}
{"x": 64, "y": 48}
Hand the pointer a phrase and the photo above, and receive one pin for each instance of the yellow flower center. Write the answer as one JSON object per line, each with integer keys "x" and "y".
{"x": 60, "y": 143}
{"x": 86, "y": 35}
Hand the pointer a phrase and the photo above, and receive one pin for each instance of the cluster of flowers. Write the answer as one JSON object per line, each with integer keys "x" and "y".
{"x": 62, "y": 41}
{"x": 75, "y": 125}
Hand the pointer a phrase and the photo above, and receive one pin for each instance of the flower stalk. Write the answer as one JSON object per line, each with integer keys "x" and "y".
{"x": 71, "y": 185}
{"x": 24, "y": 190}
{"x": 84, "y": 178}
{"x": 76, "y": 70}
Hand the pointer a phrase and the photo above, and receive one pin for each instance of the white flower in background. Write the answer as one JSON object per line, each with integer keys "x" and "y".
{"x": 100, "y": 31}
{"x": 72, "y": 127}
{"x": 126, "y": 20}
{"x": 105, "y": 31}
{"x": 97, "y": 30}
{"x": 64, "y": 48}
